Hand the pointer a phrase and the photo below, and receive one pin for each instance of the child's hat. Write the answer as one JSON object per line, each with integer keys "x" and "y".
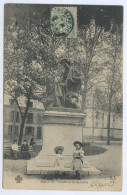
{"x": 78, "y": 142}
{"x": 58, "y": 148}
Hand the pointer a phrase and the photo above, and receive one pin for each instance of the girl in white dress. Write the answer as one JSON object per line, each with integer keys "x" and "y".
{"x": 59, "y": 159}
{"x": 78, "y": 156}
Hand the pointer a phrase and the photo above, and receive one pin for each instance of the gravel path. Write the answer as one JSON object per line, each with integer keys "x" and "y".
{"x": 108, "y": 162}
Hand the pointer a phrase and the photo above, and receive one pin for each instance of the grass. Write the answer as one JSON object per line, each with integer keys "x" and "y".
{"x": 93, "y": 150}
{"x": 88, "y": 150}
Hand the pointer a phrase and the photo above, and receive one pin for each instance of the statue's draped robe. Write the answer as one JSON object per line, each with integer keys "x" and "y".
{"x": 64, "y": 91}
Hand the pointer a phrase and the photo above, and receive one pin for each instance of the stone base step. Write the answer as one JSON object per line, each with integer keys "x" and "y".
{"x": 33, "y": 169}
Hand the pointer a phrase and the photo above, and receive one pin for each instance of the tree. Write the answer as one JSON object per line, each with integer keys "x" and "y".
{"x": 33, "y": 53}
{"x": 114, "y": 41}
{"x": 23, "y": 77}
{"x": 30, "y": 61}
{"x": 100, "y": 101}
{"x": 108, "y": 94}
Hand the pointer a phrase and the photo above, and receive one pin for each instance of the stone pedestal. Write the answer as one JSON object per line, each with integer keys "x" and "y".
{"x": 62, "y": 127}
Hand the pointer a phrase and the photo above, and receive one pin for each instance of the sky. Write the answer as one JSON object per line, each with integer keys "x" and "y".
{"x": 102, "y": 14}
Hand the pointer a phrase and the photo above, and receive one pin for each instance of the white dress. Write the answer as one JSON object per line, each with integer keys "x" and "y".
{"x": 77, "y": 163}
{"x": 59, "y": 162}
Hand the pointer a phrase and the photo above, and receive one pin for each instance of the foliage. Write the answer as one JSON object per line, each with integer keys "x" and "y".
{"x": 32, "y": 55}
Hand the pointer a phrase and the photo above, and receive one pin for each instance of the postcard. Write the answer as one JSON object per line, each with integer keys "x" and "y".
{"x": 63, "y": 97}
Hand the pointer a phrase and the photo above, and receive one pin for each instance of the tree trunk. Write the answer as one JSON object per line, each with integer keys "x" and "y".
{"x": 21, "y": 133}
{"x": 84, "y": 97}
{"x": 93, "y": 119}
{"x": 108, "y": 125}
{"x": 83, "y": 101}
{"x": 102, "y": 124}
{"x": 93, "y": 125}
{"x": 23, "y": 122}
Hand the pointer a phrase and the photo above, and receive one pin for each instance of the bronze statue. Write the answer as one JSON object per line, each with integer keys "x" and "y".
{"x": 66, "y": 92}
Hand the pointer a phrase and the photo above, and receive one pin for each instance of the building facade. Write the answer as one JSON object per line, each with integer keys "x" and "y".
{"x": 95, "y": 123}
{"x": 12, "y": 119}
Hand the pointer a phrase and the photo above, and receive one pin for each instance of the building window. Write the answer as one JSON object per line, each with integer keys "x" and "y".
{"x": 11, "y": 101}
{"x": 10, "y": 129}
{"x": 31, "y": 104}
{"x": 29, "y": 131}
{"x": 16, "y": 130}
{"x": 17, "y": 117}
{"x": 84, "y": 125}
{"x": 97, "y": 115}
{"x": 114, "y": 118}
{"x": 39, "y": 132}
{"x": 39, "y": 119}
{"x": 30, "y": 118}
{"x": 12, "y": 115}
{"x": 96, "y": 124}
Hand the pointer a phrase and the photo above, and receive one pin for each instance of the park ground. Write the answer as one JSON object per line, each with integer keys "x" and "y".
{"x": 109, "y": 163}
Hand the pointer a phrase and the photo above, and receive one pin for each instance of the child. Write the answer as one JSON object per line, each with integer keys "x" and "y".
{"x": 78, "y": 155}
{"x": 25, "y": 150}
{"x": 32, "y": 142}
{"x": 58, "y": 159}
{"x": 15, "y": 151}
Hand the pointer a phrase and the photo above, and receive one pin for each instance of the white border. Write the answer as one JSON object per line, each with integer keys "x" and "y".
{"x": 88, "y": 2}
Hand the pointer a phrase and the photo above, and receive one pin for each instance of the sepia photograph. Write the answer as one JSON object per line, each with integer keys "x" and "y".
{"x": 63, "y": 97}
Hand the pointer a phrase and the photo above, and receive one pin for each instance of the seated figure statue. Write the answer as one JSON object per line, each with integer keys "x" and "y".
{"x": 73, "y": 85}
{"x": 66, "y": 90}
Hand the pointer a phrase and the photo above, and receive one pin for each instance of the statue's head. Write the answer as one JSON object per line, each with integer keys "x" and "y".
{"x": 65, "y": 63}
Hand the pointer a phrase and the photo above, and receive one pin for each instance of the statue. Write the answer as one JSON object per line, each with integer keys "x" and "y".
{"x": 66, "y": 90}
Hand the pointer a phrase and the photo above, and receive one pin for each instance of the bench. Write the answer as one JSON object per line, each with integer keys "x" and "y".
{"x": 7, "y": 151}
